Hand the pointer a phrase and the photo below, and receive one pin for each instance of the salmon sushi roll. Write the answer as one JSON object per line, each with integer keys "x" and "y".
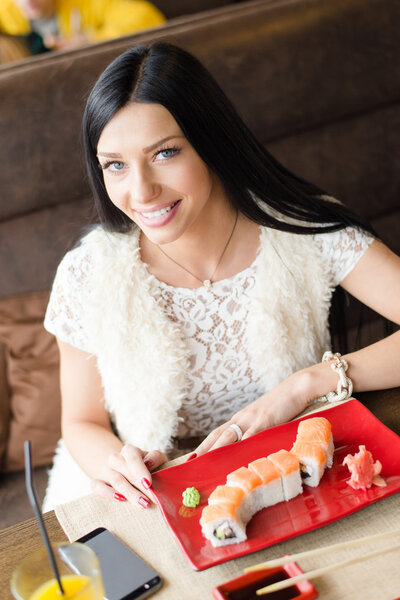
{"x": 270, "y": 491}
{"x": 289, "y": 467}
{"x": 317, "y": 430}
{"x": 226, "y": 493}
{"x": 267, "y": 481}
{"x": 244, "y": 479}
{"x": 222, "y": 525}
{"x": 312, "y": 462}
{"x": 248, "y": 481}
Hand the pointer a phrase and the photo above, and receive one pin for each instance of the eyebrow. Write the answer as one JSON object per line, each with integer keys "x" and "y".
{"x": 145, "y": 150}
{"x": 156, "y": 144}
{"x": 109, "y": 154}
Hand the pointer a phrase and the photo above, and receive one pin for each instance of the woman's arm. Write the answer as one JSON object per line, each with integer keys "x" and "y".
{"x": 87, "y": 432}
{"x": 375, "y": 281}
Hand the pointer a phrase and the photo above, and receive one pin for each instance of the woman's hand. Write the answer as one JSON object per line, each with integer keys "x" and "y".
{"x": 127, "y": 476}
{"x": 279, "y": 405}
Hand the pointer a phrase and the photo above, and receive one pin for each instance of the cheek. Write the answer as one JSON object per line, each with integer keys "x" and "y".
{"x": 196, "y": 179}
{"x": 114, "y": 191}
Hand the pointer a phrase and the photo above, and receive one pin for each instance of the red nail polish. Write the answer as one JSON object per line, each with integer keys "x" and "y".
{"x": 191, "y": 456}
{"x": 143, "y": 502}
{"x": 119, "y": 497}
{"x": 145, "y": 483}
{"x": 148, "y": 464}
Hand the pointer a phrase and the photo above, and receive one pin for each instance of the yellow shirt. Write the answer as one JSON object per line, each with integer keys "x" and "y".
{"x": 97, "y": 19}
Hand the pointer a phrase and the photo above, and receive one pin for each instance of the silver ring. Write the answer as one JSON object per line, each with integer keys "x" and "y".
{"x": 237, "y": 430}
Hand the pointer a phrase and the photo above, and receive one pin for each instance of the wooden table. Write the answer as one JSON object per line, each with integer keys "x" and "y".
{"x": 21, "y": 539}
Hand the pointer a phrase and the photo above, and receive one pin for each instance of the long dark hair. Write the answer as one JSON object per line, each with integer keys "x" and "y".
{"x": 255, "y": 182}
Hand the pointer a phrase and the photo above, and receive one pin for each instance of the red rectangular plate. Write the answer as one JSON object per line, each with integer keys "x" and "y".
{"x": 352, "y": 425}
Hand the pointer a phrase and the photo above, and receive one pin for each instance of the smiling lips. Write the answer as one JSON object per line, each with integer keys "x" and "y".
{"x": 157, "y": 218}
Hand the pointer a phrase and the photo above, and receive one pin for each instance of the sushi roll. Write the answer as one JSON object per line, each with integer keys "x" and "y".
{"x": 244, "y": 479}
{"x": 248, "y": 481}
{"x": 270, "y": 491}
{"x": 267, "y": 481}
{"x": 289, "y": 467}
{"x": 312, "y": 462}
{"x": 317, "y": 430}
{"x": 222, "y": 525}
{"x": 226, "y": 493}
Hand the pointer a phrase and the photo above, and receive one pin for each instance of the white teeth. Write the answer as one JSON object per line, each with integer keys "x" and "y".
{"x": 158, "y": 213}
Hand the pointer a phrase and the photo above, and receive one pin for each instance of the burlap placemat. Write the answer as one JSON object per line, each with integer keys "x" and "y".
{"x": 148, "y": 535}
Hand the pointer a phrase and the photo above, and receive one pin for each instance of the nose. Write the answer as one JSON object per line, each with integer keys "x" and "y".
{"x": 142, "y": 187}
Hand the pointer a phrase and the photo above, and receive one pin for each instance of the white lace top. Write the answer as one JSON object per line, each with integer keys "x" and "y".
{"x": 213, "y": 323}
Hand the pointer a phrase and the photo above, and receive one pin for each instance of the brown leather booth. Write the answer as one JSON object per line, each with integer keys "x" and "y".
{"x": 318, "y": 81}
{"x": 177, "y": 8}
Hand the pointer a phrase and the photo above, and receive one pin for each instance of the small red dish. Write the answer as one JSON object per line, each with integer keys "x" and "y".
{"x": 245, "y": 586}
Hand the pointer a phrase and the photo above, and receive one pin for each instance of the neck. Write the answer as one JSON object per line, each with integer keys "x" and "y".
{"x": 208, "y": 280}
{"x": 199, "y": 255}
{"x": 202, "y": 241}
{"x": 239, "y": 255}
{"x": 202, "y": 246}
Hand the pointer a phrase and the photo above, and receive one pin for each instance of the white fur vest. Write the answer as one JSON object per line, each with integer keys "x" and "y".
{"x": 141, "y": 354}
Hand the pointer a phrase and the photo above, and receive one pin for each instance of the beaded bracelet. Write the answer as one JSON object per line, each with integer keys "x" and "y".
{"x": 344, "y": 388}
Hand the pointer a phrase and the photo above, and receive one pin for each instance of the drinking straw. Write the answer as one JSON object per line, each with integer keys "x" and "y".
{"x": 39, "y": 517}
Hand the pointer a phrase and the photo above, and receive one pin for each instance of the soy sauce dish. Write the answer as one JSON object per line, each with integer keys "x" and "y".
{"x": 245, "y": 586}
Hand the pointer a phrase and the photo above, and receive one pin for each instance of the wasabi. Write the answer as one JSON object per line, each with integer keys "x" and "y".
{"x": 191, "y": 497}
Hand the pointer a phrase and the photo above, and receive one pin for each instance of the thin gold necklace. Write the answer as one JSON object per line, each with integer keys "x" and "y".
{"x": 206, "y": 282}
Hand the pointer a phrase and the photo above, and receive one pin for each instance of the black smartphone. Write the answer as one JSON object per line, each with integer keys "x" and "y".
{"x": 125, "y": 575}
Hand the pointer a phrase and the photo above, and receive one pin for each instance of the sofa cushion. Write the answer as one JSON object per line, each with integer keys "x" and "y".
{"x": 32, "y": 365}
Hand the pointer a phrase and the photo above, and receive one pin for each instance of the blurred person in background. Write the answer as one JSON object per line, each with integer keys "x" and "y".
{"x": 42, "y": 25}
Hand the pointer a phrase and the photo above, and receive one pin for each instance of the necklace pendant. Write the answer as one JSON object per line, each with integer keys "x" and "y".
{"x": 207, "y": 283}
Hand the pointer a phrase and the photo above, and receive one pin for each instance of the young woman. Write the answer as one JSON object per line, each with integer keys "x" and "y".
{"x": 198, "y": 308}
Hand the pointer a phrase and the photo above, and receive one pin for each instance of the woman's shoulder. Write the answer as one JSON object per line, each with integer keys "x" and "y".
{"x": 342, "y": 249}
{"x": 79, "y": 276}
{"x": 348, "y": 239}
{"x": 78, "y": 261}
{"x": 93, "y": 247}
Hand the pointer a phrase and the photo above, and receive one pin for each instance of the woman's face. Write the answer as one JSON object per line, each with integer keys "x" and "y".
{"x": 153, "y": 174}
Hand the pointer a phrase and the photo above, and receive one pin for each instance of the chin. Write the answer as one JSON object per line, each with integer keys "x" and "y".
{"x": 161, "y": 238}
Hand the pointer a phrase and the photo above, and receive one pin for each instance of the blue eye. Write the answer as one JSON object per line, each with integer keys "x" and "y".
{"x": 113, "y": 166}
{"x": 166, "y": 153}
{"x": 116, "y": 165}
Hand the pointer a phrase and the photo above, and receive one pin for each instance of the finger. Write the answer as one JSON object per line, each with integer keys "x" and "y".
{"x": 137, "y": 472}
{"x": 207, "y": 444}
{"x": 118, "y": 463}
{"x": 122, "y": 486}
{"x": 251, "y": 431}
{"x": 101, "y": 488}
{"x": 153, "y": 459}
{"x": 120, "y": 475}
{"x": 228, "y": 436}
{"x": 221, "y": 436}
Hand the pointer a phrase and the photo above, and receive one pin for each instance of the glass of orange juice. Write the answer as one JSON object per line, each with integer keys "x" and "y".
{"x": 79, "y": 570}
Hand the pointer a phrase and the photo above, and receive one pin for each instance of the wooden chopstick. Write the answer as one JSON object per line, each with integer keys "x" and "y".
{"x": 283, "y": 560}
{"x": 281, "y": 585}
